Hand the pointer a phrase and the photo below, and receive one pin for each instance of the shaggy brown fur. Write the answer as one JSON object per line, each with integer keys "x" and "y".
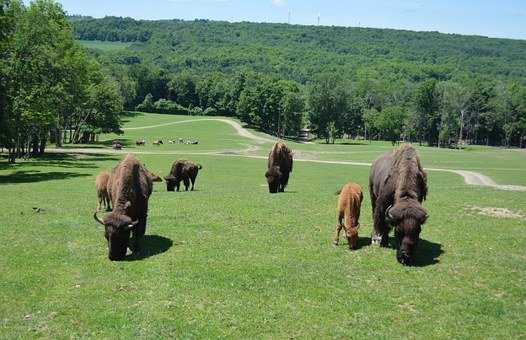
{"x": 101, "y": 184}
{"x": 398, "y": 185}
{"x": 129, "y": 187}
{"x": 279, "y": 167}
{"x": 182, "y": 170}
{"x": 349, "y": 205}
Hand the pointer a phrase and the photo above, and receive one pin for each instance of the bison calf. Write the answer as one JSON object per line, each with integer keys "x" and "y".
{"x": 101, "y": 184}
{"x": 182, "y": 170}
{"x": 349, "y": 204}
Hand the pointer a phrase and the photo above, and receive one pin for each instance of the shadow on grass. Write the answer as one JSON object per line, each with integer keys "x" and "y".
{"x": 427, "y": 253}
{"x": 33, "y": 176}
{"x": 362, "y": 241}
{"x": 61, "y": 161}
{"x": 151, "y": 245}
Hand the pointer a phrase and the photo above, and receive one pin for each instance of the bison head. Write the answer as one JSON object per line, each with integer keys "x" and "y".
{"x": 170, "y": 182}
{"x": 407, "y": 216}
{"x": 273, "y": 176}
{"x": 117, "y": 232}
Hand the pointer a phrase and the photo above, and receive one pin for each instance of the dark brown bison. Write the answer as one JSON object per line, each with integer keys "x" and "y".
{"x": 349, "y": 205}
{"x": 182, "y": 170}
{"x": 279, "y": 168}
{"x": 398, "y": 185}
{"x": 129, "y": 187}
{"x": 140, "y": 142}
{"x": 101, "y": 184}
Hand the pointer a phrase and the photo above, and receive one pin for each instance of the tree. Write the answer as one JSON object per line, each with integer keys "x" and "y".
{"x": 328, "y": 101}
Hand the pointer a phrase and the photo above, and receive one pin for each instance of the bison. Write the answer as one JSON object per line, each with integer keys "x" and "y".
{"x": 398, "y": 185}
{"x": 279, "y": 167}
{"x": 140, "y": 142}
{"x": 129, "y": 187}
{"x": 158, "y": 142}
{"x": 182, "y": 170}
{"x": 349, "y": 205}
{"x": 101, "y": 184}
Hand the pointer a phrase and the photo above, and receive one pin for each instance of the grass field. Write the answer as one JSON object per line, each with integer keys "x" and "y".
{"x": 231, "y": 260}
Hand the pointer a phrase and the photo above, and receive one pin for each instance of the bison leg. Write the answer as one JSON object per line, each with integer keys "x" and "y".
{"x": 339, "y": 227}
{"x": 284, "y": 181}
{"x": 193, "y": 182}
{"x": 138, "y": 234}
{"x": 186, "y": 181}
{"x": 380, "y": 233}
{"x": 178, "y": 185}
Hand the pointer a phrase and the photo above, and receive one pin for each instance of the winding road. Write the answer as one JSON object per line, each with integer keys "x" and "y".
{"x": 470, "y": 177}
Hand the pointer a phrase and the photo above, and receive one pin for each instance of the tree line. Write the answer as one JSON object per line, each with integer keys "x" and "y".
{"x": 432, "y": 88}
{"x": 50, "y": 89}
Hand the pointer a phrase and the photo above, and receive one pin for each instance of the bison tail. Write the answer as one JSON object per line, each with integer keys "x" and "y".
{"x": 199, "y": 166}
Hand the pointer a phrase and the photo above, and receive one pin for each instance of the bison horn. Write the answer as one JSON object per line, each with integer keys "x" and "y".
{"x": 97, "y": 218}
{"x": 133, "y": 224}
{"x": 388, "y": 214}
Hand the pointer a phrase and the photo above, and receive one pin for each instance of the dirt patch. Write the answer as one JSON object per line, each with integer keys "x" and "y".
{"x": 496, "y": 212}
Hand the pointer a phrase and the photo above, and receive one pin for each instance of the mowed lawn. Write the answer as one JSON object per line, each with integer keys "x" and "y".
{"x": 231, "y": 260}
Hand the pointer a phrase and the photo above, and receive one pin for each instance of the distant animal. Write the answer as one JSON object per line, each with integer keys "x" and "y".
{"x": 171, "y": 141}
{"x": 279, "y": 167}
{"x": 129, "y": 187}
{"x": 181, "y": 141}
{"x": 158, "y": 142}
{"x": 349, "y": 205}
{"x": 398, "y": 185}
{"x": 140, "y": 142}
{"x": 101, "y": 184}
{"x": 116, "y": 145}
{"x": 182, "y": 170}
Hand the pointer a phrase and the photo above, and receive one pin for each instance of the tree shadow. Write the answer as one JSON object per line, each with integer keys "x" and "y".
{"x": 60, "y": 160}
{"x": 34, "y": 176}
{"x": 427, "y": 253}
{"x": 151, "y": 245}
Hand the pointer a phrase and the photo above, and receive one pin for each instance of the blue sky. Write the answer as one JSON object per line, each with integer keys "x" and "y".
{"x": 495, "y": 18}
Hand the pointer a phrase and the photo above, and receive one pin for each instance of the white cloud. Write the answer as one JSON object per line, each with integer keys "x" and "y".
{"x": 279, "y": 3}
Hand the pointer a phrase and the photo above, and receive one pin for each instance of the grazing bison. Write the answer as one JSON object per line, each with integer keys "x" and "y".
{"x": 279, "y": 168}
{"x": 101, "y": 184}
{"x": 182, "y": 170}
{"x": 158, "y": 142}
{"x": 140, "y": 142}
{"x": 129, "y": 187}
{"x": 349, "y": 205}
{"x": 398, "y": 185}
{"x": 116, "y": 146}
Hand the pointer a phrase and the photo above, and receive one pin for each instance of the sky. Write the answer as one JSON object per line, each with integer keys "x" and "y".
{"x": 493, "y": 18}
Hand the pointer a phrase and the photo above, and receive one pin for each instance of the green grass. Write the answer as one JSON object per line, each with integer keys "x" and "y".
{"x": 230, "y": 260}
{"x": 105, "y": 46}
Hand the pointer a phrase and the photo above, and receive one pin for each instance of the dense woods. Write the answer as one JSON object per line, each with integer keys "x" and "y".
{"x": 50, "y": 88}
{"x": 427, "y": 87}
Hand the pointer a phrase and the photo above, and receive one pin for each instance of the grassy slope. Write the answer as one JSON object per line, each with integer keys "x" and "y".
{"x": 231, "y": 260}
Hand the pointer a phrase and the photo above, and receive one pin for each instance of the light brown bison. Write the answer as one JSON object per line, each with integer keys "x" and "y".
{"x": 129, "y": 187}
{"x": 182, "y": 170}
{"x": 101, "y": 184}
{"x": 279, "y": 168}
{"x": 349, "y": 205}
{"x": 398, "y": 185}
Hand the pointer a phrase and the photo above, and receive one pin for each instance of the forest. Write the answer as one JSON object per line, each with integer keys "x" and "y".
{"x": 440, "y": 89}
